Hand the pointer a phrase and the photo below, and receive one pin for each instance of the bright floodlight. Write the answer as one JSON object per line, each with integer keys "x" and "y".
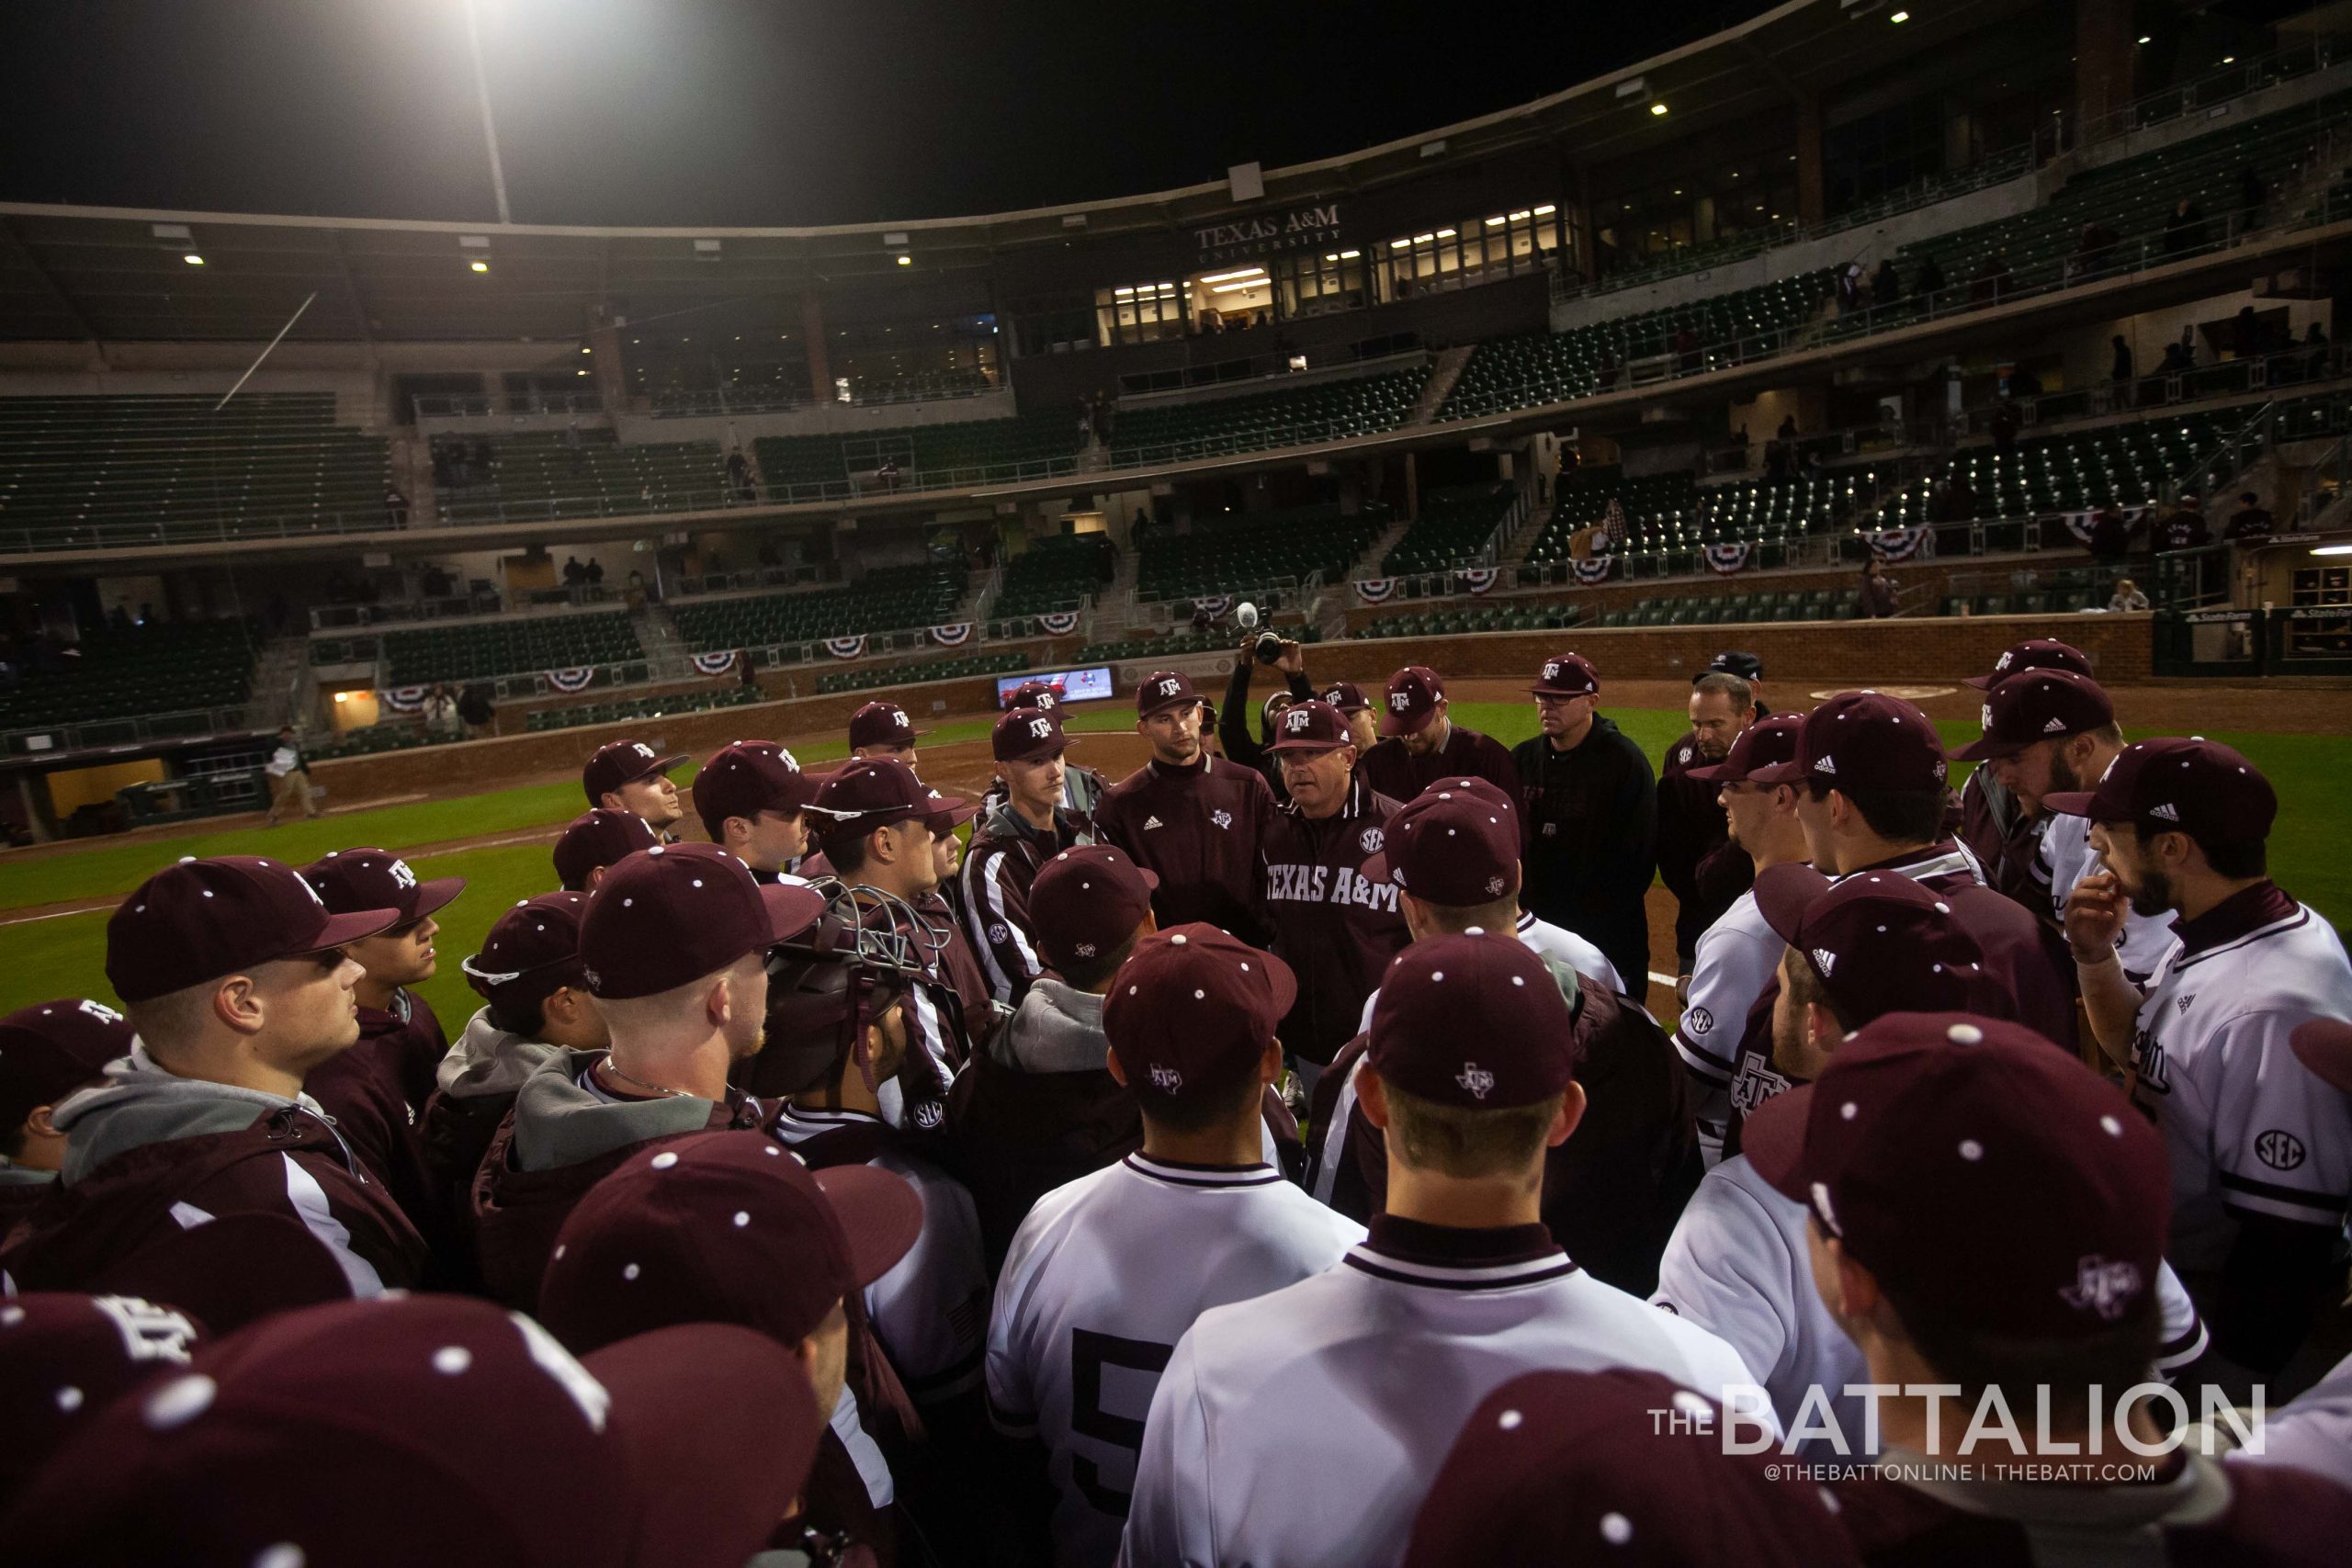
{"x": 193, "y": 259}
{"x": 1658, "y": 109}
{"x": 479, "y": 266}
{"x": 906, "y": 261}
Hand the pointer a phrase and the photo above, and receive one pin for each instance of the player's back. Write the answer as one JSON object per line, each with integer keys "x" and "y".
{"x": 1103, "y": 1278}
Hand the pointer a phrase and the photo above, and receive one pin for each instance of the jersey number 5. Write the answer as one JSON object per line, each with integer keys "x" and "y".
{"x": 1089, "y": 1354}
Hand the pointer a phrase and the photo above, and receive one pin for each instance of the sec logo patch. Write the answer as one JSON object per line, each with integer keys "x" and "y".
{"x": 2279, "y": 1150}
{"x": 1699, "y": 1021}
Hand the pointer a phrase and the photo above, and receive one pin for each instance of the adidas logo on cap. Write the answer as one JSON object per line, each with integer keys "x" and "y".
{"x": 2056, "y": 726}
{"x": 1826, "y": 764}
{"x": 2166, "y": 812}
{"x": 1824, "y": 961}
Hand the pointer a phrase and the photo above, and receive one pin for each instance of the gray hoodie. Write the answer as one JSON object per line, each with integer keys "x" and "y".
{"x": 141, "y": 1104}
{"x": 561, "y": 1122}
{"x": 488, "y": 1060}
{"x": 1057, "y": 1029}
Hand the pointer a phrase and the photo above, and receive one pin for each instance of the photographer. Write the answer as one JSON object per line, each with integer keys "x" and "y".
{"x": 1259, "y": 645}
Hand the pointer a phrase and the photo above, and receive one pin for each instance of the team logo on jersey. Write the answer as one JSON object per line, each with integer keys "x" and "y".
{"x": 2155, "y": 1076}
{"x": 1372, "y": 839}
{"x": 2279, "y": 1150}
{"x": 1755, "y": 1083}
{"x": 1040, "y": 728}
{"x": 100, "y": 1011}
{"x": 1149, "y": 823}
{"x": 1167, "y": 1081}
{"x": 1699, "y": 1021}
{"x": 1000, "y": 933}
{"x": 1222, "y": 818}
{"x": 2103, "y": 1288}
{"x": 1476, "y": 1079}
{"x": 929, "y": 1113}
{"x": 1824, "y": 961}
{"x": 401, "y": 875}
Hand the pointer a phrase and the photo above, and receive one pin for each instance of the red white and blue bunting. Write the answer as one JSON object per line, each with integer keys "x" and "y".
{"x": 572, "y": 680}
{"x": 955, "y": 636}
{"x": 1590, "y": 573}
{"x": 845, "y": 646}
{"x": 1901, "y": 543}
{"x": 2078, "y": 524}
{"x": 1727, "y": 557}
{"x": 715, "y": 663}
{"x": 402, "y": 699}
{"x": 1058, "y": 622}
{"x": 1217, "y": 604}
{"x": 1478, "y": 579}
{"x": 1374, "y": 590}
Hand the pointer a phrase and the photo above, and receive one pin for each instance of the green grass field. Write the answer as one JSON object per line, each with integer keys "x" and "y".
{"x": 66, "y": 956}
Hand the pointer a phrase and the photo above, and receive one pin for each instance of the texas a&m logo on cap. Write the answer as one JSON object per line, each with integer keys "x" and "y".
{"x": 1475, "y": 1080}
{"x": 2103, "y": 1288}
{"x": 642, "y": 750}
{"x": 402, "y": 873}
{"x": 1169, "y": 686}
{"x": 1166, "y": 1079}
{"x": 1553, "y": 669}
{"x": 1296, "y": 720}
{"x": 1400, "y": 700}
{"x": 1041, "y": 728}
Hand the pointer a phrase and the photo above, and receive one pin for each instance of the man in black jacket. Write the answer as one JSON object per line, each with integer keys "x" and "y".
{"x": 1590, "y": 811}
{"x": 1233, "y": 717}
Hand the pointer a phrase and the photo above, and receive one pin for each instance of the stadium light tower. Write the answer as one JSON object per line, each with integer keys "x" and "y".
{"x": 489, "y": 126}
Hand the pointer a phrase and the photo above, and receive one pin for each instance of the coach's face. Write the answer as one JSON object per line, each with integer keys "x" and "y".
{"x": 1317, "y": 780}
{"x": 1716, "y": 723}
{"x": 1564, "y": 715}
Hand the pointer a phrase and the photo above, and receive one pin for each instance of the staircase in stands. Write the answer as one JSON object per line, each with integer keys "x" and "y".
{"x": 276, "y": 696}
{"x": 657, "y": 635}
{"x": 1443, "y": 375}
{"x": 1515, "y": 548}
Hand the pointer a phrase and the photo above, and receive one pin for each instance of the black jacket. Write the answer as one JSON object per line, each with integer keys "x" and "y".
{"x": 1589, "y": 818}
{"x": 1233, "y": 729}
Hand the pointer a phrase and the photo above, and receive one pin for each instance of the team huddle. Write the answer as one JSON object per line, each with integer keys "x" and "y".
{"x": 1270, "y": 1158}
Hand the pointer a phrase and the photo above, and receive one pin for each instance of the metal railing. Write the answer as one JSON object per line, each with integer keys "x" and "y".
{"x": 2297, "y": 364}
{"x": 486, "y": 405}
{"x": 84, "y": 735}
{"x": 2234, "y": 79}
{"x": 778, "y": 400}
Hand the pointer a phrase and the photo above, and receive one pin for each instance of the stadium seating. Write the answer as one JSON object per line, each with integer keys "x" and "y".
{"x": 1327, "y": 410}
{"x": 162, "y": 667}
{"x": 868, "y": 677}
{"x": 1243, "y": 551}
{"x": 549, "y": 474}
{"x": 1055, "y": 573}
{"x": 926, "y": 454}
{"x": 2069, "y": 472}
{"x": 1453, "y": 527}
{"x": 893, "y": 598}
{"x": 476, "y": 650}
{"x": 391, "y": 735}
{"x": 1171, "y": 647}
{"x": 169, "y": 468}
{"x": 1549, "y": 368}
{"x": 652, "y": 707}
{"x": 1478, "y": 618}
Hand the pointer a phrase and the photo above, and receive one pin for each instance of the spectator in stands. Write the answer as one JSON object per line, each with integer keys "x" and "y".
{"x": 2315, "y": 347}
{"x": 2252, "y": 196}
{"x": 1886, "y": 286}
{"x": 1929, "y": 282}
{"x": 2250, "y": 522}
{"x": 574, "y": 574}
{"x": 2127, "y": 596}
{"x": 2120, "y": 373}
{"x": 2009, "y": 418}
{"x": 2111, "y": 537}
{"x": 2247, "y": 336}
{"x": 1686, "y": 352}
{"x": 2181, "y": 526}
{"x": 441, "y": 719}
{"x": 474, "y": 705}
{"x": 1992, "y": 280}
{"x": 2094, "y": 250}
{"x": 292, "y": 787}
{"x": 1876, "y": 599}
{"x": 395, "y": 508}
{"x": 2185, "y": 229}
{"x": 2178, "y": 357}
{"x": 118, "y": 618}
{"x": 596, "y": 573}
{"x": 739, "y": 477}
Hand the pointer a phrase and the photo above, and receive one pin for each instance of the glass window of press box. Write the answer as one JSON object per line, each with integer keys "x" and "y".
{"x": 1722, "y": 204}
{"x": 1241, "y": 295}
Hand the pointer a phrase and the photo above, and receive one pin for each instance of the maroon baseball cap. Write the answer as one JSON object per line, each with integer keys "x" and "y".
{"x": 532, "y": 949}
{"x": 1313, "y": 725}
{"x": 1035, "y": 694}
{"x": 2325, "y": 1045}
{"x": 1474, "y": 1021}
{"x": 1452, "y": 844}
{"x": 881, "y": 724}
{"x": 1162, "y": 690}
{"x": 1568, "y": 675}
{"x": 2193, "y": 785}
{"x": 867, "y": 792}
{"x": 1347, "y": 696}
{"x": 672, "y": 914}
{"x": 1028, "y": 734}
{"x": 599, "y": 838}
{"x": 747, "y": 777}
{"x": 2034, "y": 653}
{"x": 1862, "y": 740}
{"x": 723, "y": 1227}
{"x": 620, "y": 763}
{"x": 1190, "y": 1011}
{"x": 1088, "y": 900}
{"x": 1879, "y": 943}
{"x": 1410, "y": 699}
{"x": 203, "y": 918}
{"x": 2034, "y": 706}
{"x": 434, "y": 1429}
{"x": 1560, "y": 1467}
{"x": 374, "y": 879}
{"x": 63, "y": 1357}
{"x": 50, "y": 1049}
{"x": 1964, "y": 1162}
{"x": 1767, "y": 743}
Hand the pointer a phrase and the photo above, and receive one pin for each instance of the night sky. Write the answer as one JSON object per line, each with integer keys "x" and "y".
{"x": 742, "y": 112}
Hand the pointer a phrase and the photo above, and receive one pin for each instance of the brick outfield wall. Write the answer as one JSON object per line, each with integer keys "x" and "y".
{"x": 1909, "y": 650}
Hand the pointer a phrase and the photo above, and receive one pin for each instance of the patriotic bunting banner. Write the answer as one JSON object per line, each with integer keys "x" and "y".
{"x": 1058, "y": 622}
{"x": 1726, "y": 558}
{"x": 1591, "y": 571}
{"x": 1217, "y": 604}
{"x": 1374, "y": 590}
{"x": 572, "y": 680}
{"x": 402, "y": 699}
{"x": 1901, "y": 543}
{"x": 955, "y": 636}
{"x": 1477, "y": 579}
{"x": 845, "y": 646}
{"x": 715, "y": 663}
{"x": 2078, "y": 524}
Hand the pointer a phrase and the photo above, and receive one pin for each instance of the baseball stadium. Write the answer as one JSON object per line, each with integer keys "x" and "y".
{"x": 1665, "y": 400}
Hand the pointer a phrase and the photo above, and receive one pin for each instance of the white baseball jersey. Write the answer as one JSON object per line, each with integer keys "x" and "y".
{"x": 1736, "y": 958}
{"x": 2247, "y": 1125}
{"x": 2066, "y": 857}
{"x": 1101, "y": 1281}
{"x": 1551, "y": 942}
{"x": 1737, "y": 1266}
{"x": 1305, "y": 1428}
{"x": 930, "y": 1310}
{"x": 2312, "y": 1432}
